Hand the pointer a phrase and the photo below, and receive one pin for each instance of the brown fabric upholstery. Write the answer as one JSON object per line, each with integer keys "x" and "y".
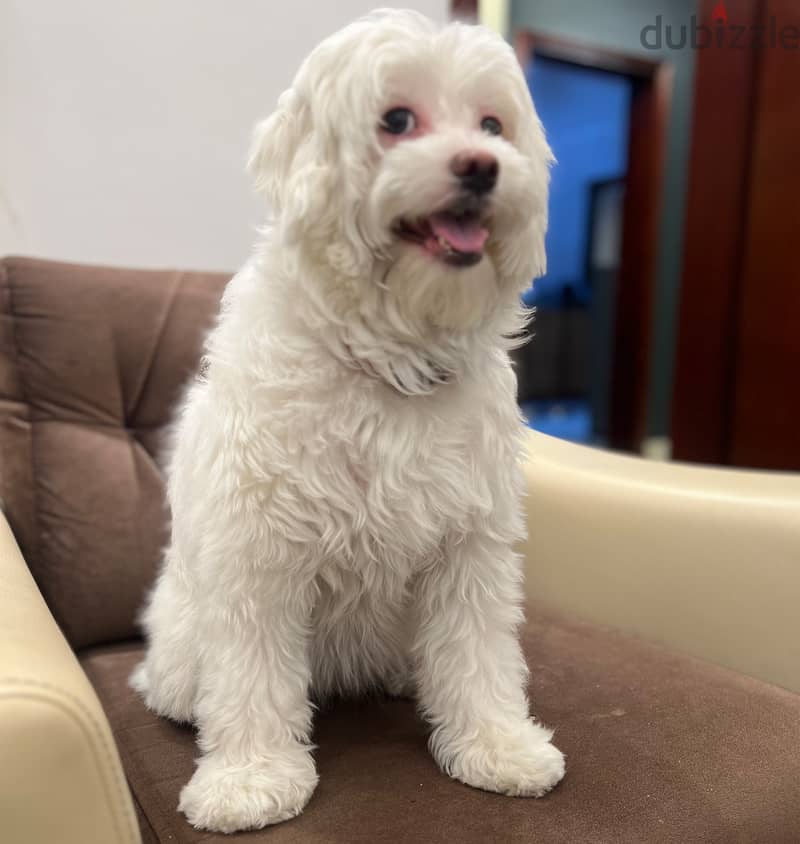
{"x": 660, "y": 748}
{"x": 92, "y": 361}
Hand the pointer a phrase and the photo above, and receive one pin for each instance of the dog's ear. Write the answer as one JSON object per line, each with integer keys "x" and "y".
{"x": 294, "y": 167}
{"x": 275, "y": 142}
{"x": 531, "y": 254}
{"x": 291, "y": 166}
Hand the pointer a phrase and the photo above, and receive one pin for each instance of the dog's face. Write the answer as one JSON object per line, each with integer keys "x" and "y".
{"x": 412, "y": 156}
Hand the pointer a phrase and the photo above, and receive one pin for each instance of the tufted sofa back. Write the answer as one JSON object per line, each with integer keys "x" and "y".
{"x": 92, "y": 362}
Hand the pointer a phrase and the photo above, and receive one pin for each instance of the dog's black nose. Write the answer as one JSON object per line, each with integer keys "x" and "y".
{"x": 477, "y": 171}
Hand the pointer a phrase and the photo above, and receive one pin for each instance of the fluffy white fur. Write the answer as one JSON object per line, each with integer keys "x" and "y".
{"x": 345, "y": 481}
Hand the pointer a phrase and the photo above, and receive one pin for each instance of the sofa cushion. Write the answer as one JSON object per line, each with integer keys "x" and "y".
{"x": 92, "y": 361}
{"x": 660, "y": 748}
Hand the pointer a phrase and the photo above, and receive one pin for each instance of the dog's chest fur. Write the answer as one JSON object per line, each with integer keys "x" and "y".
{"x": 339, "y": 469}
{"x": 397, "y": 477}
{"x": 375, "y": 481}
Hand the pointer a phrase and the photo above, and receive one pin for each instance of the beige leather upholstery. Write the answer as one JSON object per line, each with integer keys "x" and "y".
{"x": 61, "y": 781}
{"x": 703, "y": 560}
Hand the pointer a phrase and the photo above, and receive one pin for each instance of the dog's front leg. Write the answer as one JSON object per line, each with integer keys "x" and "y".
{"x": 472, "y": 675}
{"x": 252, "y": 710}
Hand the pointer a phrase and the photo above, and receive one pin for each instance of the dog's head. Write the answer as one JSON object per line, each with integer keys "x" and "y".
{"x": 412, "y": 156}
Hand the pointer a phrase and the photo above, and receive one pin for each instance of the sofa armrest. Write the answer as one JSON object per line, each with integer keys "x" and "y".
{"x": 60, "y": 775}
{"x": 703, "y": 560}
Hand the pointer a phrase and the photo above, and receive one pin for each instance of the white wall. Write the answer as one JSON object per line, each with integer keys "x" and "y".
{"x": 124, "y": 124}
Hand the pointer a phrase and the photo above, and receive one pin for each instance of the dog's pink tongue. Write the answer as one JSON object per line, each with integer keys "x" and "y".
{"x": 462, "y": 235}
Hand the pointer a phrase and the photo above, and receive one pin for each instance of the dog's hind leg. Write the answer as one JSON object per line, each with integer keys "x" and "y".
{"x": 167, "y": 679}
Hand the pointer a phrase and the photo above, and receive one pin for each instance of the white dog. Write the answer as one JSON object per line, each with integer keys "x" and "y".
{"x": 345, "y": 484}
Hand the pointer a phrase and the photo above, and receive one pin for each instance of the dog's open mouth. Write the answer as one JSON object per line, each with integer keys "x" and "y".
{"x": 456, "y": 235}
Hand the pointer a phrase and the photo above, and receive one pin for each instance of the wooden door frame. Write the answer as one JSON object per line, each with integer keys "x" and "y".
{"x": 647, "y": 140}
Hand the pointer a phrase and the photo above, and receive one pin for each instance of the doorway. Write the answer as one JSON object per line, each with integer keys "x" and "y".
{"x": 585, "y": 375}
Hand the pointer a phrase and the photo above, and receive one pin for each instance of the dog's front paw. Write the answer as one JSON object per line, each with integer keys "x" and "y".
{"x": 225, "y": 798}
{"x": 520, "y": 762}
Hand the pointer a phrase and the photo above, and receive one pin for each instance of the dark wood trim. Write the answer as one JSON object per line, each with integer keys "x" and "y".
{"x": 650, "y": 111}
{"x": 464, "y": 10}
{"x": 764, "y": 432}
{"x": 636, "y": 281}
{"x": 716, "y": 218}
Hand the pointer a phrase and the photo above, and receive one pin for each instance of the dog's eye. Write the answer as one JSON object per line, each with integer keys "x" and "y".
{"x": 399, "y": 121}
{"x": 492, "y": 125}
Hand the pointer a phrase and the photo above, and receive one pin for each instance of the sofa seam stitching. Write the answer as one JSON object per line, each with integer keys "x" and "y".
{"x": 174, "y": 292}
{"x": 145, "y": 817}
{"x": 60, "y": 697}
{"x": 23, "y": 383}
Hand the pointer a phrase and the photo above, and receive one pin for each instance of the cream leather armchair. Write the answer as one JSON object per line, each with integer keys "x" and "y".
{"x": 702, "y": 560}
{"x": 61, "y": 780}
{"x": 706, "y": 561}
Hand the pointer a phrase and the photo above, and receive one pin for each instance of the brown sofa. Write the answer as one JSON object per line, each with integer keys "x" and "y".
{"x": 661, "y": 747}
